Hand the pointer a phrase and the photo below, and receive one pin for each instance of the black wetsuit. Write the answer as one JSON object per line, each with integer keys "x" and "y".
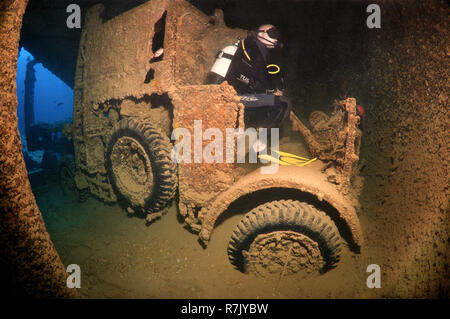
{"x": 249, "y": 75}
{"x": 248, "y": 70}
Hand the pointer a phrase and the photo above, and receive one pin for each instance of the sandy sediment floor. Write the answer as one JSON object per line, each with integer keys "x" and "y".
{"x": 121, "y": 257}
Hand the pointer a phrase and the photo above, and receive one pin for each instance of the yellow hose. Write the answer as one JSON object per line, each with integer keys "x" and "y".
{"x": 243, "y": 47}
{"x": 273, "y": 65}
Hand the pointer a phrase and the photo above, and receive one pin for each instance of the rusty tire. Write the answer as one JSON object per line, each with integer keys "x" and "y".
{"x": 153, "y": 149}
{"x": 286, "y": 219}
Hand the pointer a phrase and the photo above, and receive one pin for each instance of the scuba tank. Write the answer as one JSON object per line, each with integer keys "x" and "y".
{"x": 222, "y": 63}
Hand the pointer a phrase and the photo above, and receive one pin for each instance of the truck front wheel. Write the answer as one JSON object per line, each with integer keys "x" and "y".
{"x": 285, "y": 237}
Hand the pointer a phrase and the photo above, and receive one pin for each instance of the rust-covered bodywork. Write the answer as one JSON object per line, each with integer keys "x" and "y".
{"x": 216, "y": 106}
{"x": 113, "y": 63}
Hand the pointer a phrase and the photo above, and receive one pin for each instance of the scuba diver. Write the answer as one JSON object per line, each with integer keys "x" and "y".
{"x": 247, "y": 67}
{"x": 250, "y": 71}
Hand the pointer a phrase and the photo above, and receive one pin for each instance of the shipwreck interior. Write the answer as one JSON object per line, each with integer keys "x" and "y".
{"x": 398, "y": 73}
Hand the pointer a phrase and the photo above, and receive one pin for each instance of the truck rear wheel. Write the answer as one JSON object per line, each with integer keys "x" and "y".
{"x": 285, "y": 237}
{"x": 139, "y": 165}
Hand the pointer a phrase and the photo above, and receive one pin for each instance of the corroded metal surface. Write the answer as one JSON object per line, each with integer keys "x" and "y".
{"x": 334, "y": 139}
{"x": 115, "y": 79}
{"x": 216, "y": 106}
{"x": 339, "y": 138}
{"x": 111, "y": 69}
{"x": 26, "y": 248}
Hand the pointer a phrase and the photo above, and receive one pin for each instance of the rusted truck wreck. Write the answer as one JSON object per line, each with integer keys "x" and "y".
{"x": 127, "y": 103}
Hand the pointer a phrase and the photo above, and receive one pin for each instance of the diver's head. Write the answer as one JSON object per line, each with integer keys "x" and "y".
{"x": 269, "y": 35}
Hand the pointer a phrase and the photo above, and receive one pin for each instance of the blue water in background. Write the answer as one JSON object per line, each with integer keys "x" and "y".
{"x": 49, "y": 90}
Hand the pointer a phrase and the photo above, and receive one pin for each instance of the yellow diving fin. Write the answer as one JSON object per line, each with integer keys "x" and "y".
{"x": 291, "y": 155}
{"x": 287, "y": 159}
{"x": 272, "y": 159}
{"x": 307, "y": 162}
